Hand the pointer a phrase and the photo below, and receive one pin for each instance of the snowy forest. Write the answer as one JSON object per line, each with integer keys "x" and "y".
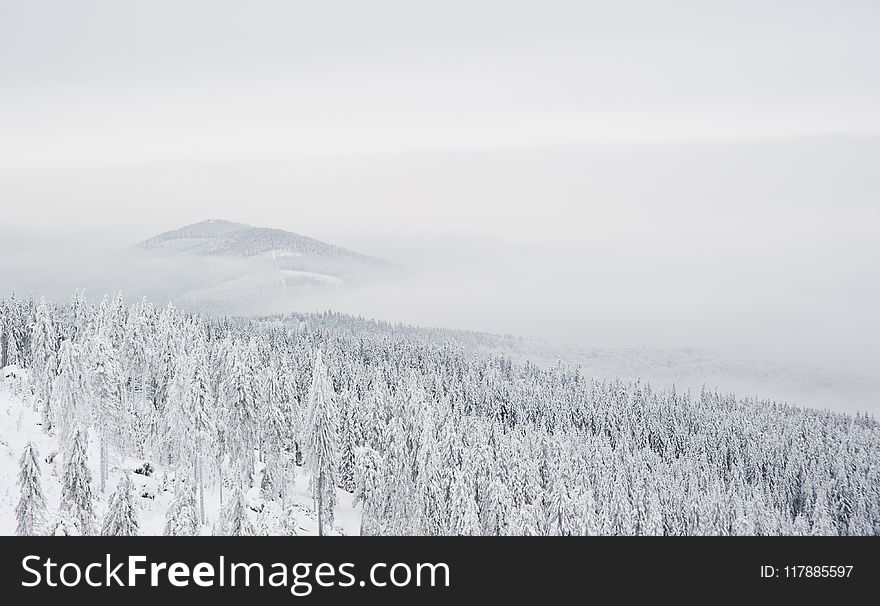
{"x": 426, "y": 439}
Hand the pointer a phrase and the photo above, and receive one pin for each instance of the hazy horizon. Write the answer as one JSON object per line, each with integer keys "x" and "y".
{"x": 617, "y": 176}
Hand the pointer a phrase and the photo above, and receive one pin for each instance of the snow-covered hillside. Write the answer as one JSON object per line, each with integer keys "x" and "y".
{"x": 218, "y": 237}
{"x": 687, "y": 369}
{"x": 20, "y": 423}
{"x": 430, "y": 439}
{"x": 283, "y": 250}
{"x": 231, "y": 268}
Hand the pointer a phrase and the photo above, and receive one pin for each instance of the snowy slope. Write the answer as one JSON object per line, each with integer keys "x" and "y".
{"x": 19, "y": 423}
{"x": 284, "y": 250}
{"x": 685, "y": 368}
{"x": 232, "y": 268}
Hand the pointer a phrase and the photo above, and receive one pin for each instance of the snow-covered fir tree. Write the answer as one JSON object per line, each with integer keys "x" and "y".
{"x": 77, "y": 499}
{"x": 44, "y": 360}
{"x": 321, "y": 443}
{"x": 234, "y": 520}
{"x": 31, "y": 509}
{"x": 105, "y": 379}
{"x": 121, "y": 518}
{"x": 821, "y": 522}
{"x": 238, "y": 398}
{"x": 182, "y": 517}
{"x": 68, "y": 393}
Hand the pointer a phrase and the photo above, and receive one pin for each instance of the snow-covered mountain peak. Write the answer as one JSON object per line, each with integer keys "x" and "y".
{"x": 232, "y": 267}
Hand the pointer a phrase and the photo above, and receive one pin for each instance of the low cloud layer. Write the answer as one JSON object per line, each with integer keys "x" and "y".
{"x": 759, "y": 252}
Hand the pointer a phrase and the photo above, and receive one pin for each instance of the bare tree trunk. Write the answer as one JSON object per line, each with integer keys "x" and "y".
{"x": 283, "y": 474}
{"x": 103, "y": 464}
{"x": 221, "y": 489}
{"x": 48, "y": 425}
{"x": 222, "y": 459}
{"x": 3, "y": 346}
{"x": 201, "y": 482}
{"x": 106, "y": 462}
{"x": 320, "y": 506}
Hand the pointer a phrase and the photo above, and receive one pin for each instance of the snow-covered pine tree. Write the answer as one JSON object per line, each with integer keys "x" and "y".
{"x": 17, "y": 332}
{"x": 429, "y": 495}
{"x": 202, "y": 421}
{"x": 43, "y": 360}
{"x": 76, "y": 485}
{"x": 67, "y": 392}
{"x": 177, "y": 432}
{"x": 653, "y": 523}
{"x": 276, "y": 429}
{"x": 497, "y": 508}
{"x": 238, "y": 400}
{"x": 589, "y": 525}
{"x": 394, "y": 498}
{"x": 78, "y": 316}
{"x": 121, "y": 518}
{"x": 182, "y": 518}
{"x": 114, "y": 321}
{"x": 466, "y": 517}
{"x": 348, "y": 443}
{"x": 321, "y": 442}
{"x": 105, "y": 383}
{"x": 4, "y": 336}
{"x": 235, "y": 521}
{"x": 267, "y": 485}
{"x": 620, "y": 510}
{"x": 13, "y": 354}
{"x": 31, "y": 508}
{"x": 367, "y": 464}
{"x": 821, "y": 522}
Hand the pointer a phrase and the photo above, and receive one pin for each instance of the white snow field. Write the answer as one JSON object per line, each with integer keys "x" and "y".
{"x": 19, "y": 424}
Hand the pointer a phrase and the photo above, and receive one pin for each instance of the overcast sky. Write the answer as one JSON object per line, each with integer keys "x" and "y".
{"x": 146, "y": 102}
{"x": 694, "y": 173}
